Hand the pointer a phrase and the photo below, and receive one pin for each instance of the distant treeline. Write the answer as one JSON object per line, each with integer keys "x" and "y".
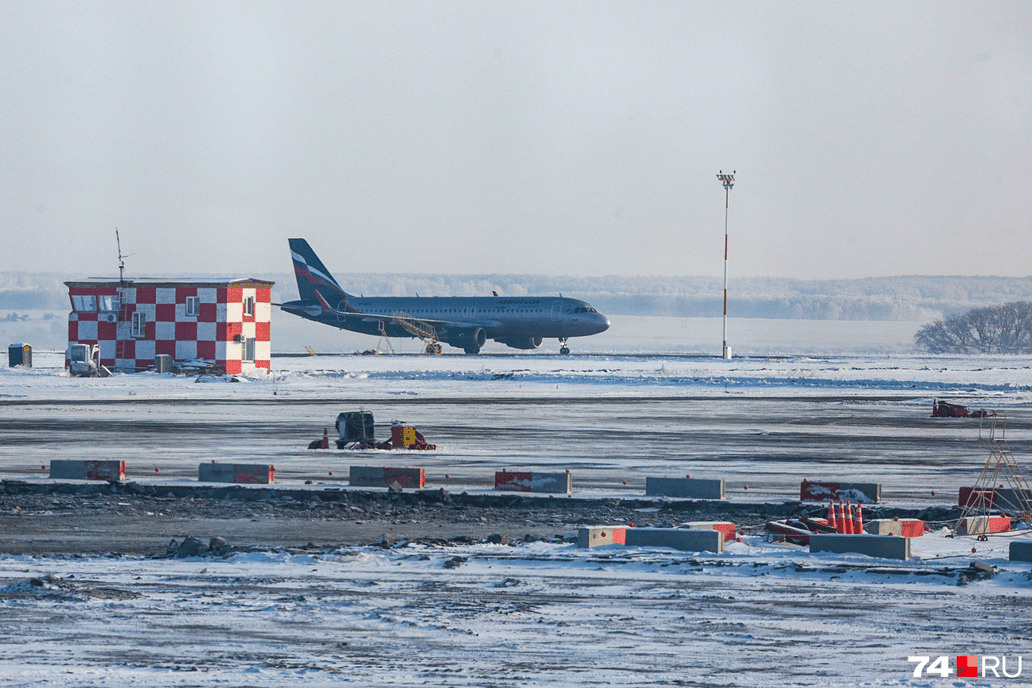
{"x": 911, "y": 298}
{"x": 1005, "y": 329}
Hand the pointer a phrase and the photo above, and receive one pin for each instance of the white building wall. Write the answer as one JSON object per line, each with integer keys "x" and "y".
{"x": 145, "y": 349}
{"x": 186, "y": 350}
{"x": 164, "y": 330}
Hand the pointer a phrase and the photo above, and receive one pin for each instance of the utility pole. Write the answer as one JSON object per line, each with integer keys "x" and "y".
{"x": 728, "y": 180}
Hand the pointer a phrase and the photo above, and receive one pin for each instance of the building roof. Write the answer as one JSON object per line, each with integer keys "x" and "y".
{"x": 171, "y": 282}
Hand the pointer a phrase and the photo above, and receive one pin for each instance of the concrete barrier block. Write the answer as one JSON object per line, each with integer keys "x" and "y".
{"x": 858, "y": 493}
{"x": 383, "y": 476}
{"x": 882, "y": 546}
{"x": 527, "y": 481}
{"x": 253, "y": 473}
{"x": 677, "y": 538}
{"x": 982, "y": 525}
{"x": 730, "y": 530}
{"x": 597, "y": 536}
{"x": 685, "y": 488}
{"x": 76, "y": 469}
{"x": 909, "y": 527}
{"x": 1021, "y": 550}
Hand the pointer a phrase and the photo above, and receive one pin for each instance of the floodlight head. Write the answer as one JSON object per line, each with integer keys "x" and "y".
{"x": 728, "y": 180}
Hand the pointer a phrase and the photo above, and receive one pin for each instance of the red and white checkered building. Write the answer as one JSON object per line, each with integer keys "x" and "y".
{"x": 223, "y": 321}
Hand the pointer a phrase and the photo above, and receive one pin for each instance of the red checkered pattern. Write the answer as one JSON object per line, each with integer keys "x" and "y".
{"x": 217, "y": 333}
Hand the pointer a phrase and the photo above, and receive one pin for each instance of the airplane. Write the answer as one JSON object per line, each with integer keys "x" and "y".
{"x": 464, "y": 322}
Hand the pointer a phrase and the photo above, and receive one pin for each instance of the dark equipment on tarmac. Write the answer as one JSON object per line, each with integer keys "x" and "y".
{"x": 355, "y": 431}
{"x": 354, "y": 427}
{"x": 943, "y": 409}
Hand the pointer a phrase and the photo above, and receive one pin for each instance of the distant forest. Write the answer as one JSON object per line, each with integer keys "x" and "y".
{"x": 1005, "y": 329}
{"x": 909, "y": 298}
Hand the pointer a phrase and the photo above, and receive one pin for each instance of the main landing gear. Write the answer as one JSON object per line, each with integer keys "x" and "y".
{"x": 563, "y": 349}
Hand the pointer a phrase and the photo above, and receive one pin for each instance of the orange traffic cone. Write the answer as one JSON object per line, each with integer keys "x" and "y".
{"x": 841, "y": 526}
{"x": 325, "y": 439}
{"x": 848, "y": 513}
{"x": 858, "y": 525}
{"x": 832, "y": 521}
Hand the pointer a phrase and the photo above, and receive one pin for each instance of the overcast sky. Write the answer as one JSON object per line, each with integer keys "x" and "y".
{"x": 873, "y": 138}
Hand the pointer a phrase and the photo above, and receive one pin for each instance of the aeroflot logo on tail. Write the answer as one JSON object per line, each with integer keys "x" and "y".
{"x": 968, "y": 666}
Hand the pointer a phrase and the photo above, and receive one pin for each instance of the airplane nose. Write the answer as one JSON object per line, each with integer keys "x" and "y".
{"x": 603, "y": 323}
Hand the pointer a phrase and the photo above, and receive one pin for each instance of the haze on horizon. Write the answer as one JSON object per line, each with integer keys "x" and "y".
{"x": 577, "y": 138}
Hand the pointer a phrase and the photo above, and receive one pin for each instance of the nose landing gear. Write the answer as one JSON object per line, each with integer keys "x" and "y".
{"x": 563, "y": 349}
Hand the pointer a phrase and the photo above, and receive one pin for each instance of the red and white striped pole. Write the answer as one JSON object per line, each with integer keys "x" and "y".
{"x": 728, "y": 180}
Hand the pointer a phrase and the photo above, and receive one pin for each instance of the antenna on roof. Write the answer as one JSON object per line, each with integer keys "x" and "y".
{"x": 122, "y": 263}
{"x": 121, "y": 259}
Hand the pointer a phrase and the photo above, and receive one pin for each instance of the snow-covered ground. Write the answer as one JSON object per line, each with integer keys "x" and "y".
{"x": 762, "y": 614}
{"x": 1004, "y": 378}
{"x": 539, "y": 614}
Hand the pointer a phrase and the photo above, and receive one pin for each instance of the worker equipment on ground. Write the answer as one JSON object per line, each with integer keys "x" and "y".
{"x": 944, "y": 409}
{"x": 407, "y": 437}
{"x": 354, "y": 427}
{"x": 843, "y": 518}
{"x": 355, "y": 430}
{"x": 321, "y": 444}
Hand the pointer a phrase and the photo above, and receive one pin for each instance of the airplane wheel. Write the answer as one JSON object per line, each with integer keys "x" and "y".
{"x": 565, "y": 351}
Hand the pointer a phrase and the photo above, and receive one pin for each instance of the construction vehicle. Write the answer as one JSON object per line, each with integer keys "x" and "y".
{"x": 84, "y": 361}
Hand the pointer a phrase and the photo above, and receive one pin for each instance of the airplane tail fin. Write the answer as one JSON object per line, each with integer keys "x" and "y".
{"x": 314, "y": 281}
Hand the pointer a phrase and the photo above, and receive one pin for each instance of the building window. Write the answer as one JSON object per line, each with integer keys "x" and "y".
{"x": 249, "y": 349}
{"x": 193, "y": 305}
{"x": 249, "y": 305}
{"x": 139, "y": 324}
{"x": 109, "y": 304}
{"x": 84, "y": 303}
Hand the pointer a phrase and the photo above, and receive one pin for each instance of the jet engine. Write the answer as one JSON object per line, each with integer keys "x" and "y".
{"x": 521, "y": 342}
{"x": 469, "y": 340}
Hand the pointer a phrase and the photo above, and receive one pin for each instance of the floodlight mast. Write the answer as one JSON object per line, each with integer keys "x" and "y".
{"x": 728, "y": 180}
